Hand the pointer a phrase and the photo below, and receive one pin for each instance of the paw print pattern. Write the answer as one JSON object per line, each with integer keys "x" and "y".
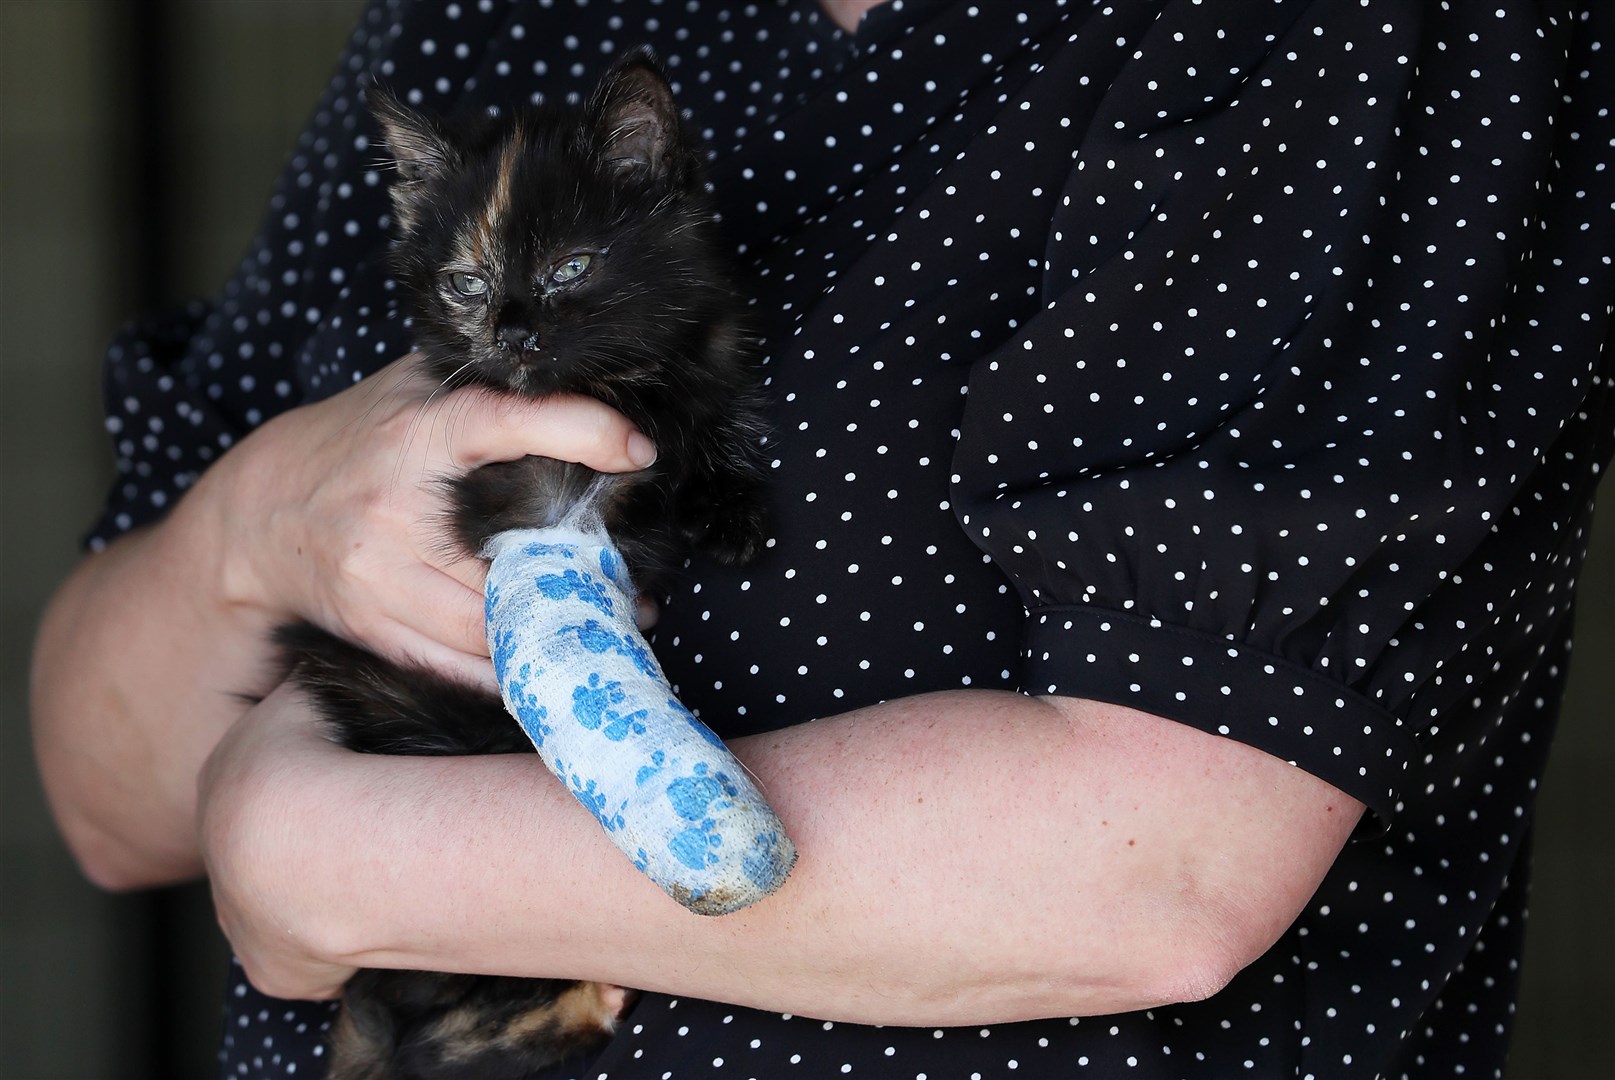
{"x": 1240, "y": 363}
{"x": 707, "y": 837}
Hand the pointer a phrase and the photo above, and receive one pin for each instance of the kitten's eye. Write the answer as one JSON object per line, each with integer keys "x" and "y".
{"x": 468, "y": 284}
{"x": 571, "y": 268}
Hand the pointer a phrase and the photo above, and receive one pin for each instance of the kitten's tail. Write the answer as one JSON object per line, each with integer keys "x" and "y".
{"x": 379, "y": 707}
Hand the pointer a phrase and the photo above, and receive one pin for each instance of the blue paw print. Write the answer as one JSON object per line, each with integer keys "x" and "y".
{"x": 594, "y": 800}
{"x": 571, "y": 583}
{"x": 534, "y": 550}
{"x": 693, "y": 796}
{"x": 597, "y": 638}
{"x": 594, "y": 707}
{"x": 696, "y": 846}
{"x": 658, "y": 759}
{"x": 528, "y": 712}
{"x": 504, "y": 648}
{"x": 611, "y": 566}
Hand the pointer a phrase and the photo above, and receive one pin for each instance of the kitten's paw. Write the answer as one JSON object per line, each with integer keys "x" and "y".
{"x": 730, "y": 526}
{"x": 615, "y": 1000}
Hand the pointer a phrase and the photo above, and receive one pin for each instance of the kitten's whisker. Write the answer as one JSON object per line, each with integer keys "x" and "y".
{"x": 456, "y": 416}
{"x": 447, "y": 379}
{"x": 415, "y": 423}
{"x": 445, "y": 385}
{"x": 381, "y": 386}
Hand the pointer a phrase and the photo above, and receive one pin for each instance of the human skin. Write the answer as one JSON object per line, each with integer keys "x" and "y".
{"x": 347, "y": 545}
{"x": 967, "y": 857}
{"x": 324, "y": 513}
{"x": 846, "y": 13}
{"x": 1111, "y": 860}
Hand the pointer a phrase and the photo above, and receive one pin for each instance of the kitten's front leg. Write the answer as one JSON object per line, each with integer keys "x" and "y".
{"x": 722, "y": 508}
{"x": 528, "y": 493}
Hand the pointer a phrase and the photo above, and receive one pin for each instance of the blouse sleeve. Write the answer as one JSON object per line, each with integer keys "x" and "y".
{"x": 1317, "y": 381}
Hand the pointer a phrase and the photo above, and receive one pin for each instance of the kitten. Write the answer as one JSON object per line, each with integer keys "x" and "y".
{"x": 547, "y": 250}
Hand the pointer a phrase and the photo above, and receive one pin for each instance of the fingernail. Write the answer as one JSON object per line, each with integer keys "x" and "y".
{"x": 641, "y": 451}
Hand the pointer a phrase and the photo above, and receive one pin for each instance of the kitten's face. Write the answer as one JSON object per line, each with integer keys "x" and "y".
{"x": 551, "y": 251}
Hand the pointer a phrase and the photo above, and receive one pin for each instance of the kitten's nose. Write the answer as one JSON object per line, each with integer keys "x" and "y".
{"x": 512, "y": 336}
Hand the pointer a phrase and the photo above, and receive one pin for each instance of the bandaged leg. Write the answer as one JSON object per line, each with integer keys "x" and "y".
{"x": 576, "y": 673}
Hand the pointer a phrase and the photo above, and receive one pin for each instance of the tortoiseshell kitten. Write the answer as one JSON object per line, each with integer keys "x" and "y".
{"x": 542, "y": 251}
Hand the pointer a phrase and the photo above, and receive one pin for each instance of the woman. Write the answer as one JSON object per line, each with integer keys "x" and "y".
{"x": 1184, "y": 434}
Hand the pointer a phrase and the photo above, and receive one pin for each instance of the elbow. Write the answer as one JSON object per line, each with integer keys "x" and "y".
{"x": 112, "y": 865}
{"x": 1214, "y": 943}
{"x": 1198, "y": 975}
{"x": 1194, "y": 969}
{"x": 115, "y": 874}
{"x": 88, "y": 826}
{"x": 95, "y": 854}
{"x": 104, "y": 820}
{"x": 1167, "y": 964}
{"x": 101, "y": 831}
{"x": 1186, "y": 947}
{"x": 1180, "y": 968}
{"x": 105, "y": 870}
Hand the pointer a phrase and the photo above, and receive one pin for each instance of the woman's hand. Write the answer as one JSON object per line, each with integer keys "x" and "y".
{"x": 335, "y": 510}
{"x": 331, "y": 513}
{"x": 255, "y": 843}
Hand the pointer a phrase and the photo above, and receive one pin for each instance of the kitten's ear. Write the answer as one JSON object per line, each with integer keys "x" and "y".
{"x": 420, "y": 152}
{"x": 633, "y": 113}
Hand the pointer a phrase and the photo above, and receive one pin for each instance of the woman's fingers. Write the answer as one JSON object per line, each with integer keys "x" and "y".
{"x": 426, "y": 651}
{"x": 457, "y": 430}
{"x": 483, "y": 427}
{"x": 341, "y": 516}
{"x": 433, "y": 604}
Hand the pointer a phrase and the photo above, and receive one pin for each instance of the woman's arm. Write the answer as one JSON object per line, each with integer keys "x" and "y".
{"x": 323, "y": 513}
{"x": 134, "y": 675}
{"x": 966, "y": 857}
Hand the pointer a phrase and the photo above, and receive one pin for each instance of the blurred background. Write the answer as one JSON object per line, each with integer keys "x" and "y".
{"x": 138, "y": 142}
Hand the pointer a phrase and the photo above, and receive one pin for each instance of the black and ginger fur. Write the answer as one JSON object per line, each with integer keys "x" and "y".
{"x": 543, "y": 251}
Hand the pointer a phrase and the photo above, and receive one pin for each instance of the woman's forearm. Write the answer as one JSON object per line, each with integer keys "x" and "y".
{"x": 139, "y": 667}
{"x": 965, "y": 857}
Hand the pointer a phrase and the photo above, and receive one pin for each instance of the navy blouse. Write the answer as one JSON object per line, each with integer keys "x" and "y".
{"x": 1246, "y": 369}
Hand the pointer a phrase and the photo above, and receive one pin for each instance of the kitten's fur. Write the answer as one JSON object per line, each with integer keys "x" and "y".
{"x": 548, "y": 250}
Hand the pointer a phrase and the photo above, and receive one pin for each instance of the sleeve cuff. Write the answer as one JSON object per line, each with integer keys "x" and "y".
{"x": 1224, "y": 688}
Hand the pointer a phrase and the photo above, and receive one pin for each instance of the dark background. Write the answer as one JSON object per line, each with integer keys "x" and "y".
{"x": 138, "y": 141}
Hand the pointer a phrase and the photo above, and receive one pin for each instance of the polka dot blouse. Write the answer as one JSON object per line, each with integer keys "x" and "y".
{"x": 1248, "y": 370}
